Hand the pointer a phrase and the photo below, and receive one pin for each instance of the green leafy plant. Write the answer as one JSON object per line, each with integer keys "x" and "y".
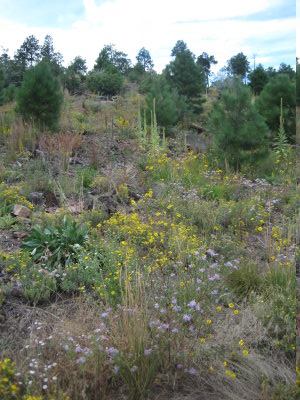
{"x": 281, "y": 145}
{"x": 7, "y": 221}
{"x": 55, "y": 244}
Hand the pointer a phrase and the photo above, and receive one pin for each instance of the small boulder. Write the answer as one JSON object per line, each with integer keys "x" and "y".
{"x": 36, "y": 197}
{"x": 21, "y": 211}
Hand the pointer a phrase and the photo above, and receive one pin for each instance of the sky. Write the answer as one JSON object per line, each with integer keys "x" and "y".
{"x": 261, "y": 29}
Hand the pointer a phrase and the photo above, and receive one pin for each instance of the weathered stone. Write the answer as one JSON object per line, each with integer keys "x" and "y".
{"x": 36, "y": 197}
{"x": 20, "y": 235}
{"x": 21, "y": 211}
{"x": 76, "y": 208}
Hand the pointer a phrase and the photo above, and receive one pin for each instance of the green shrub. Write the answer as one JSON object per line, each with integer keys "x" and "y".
{"x": 244, "y": 280}
{"x": 40, "y": 96}
{"x": 10, "y": 93}
{"x": 106, "y": 83}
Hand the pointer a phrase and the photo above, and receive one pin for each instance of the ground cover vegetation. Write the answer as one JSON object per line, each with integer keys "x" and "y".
{"x": 148, "y": 227}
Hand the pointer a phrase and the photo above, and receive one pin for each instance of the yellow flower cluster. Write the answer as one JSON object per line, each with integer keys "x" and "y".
{"x": 15, "y": 263}
{"x": 9, "y": 195}
{"x": 127, "y": 225}
{"x": 242, "y": 344}
{"x": 8, "y": 388}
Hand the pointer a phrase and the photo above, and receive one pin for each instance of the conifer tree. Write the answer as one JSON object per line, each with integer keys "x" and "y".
{"x": 40, "y": 96}
{"x": 239, "y": 130}
{"x": 269, "y": 105}
{"x": 186, "y": 76}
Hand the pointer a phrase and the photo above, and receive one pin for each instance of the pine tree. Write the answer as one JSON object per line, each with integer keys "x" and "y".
{"x": 238, "y": 65}
{"x": 186, "y": 76}
{"x": 167, "y": 102}
{"x": 258, "y": 79}
{"x": 239, "y": 131}
{"x": 269, "y": 105}
{"x": 40, "y": 96}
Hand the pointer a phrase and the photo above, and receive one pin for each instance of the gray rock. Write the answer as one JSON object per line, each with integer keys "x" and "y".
{"x": 21, "y": 211}
{"x": 36, "y": 197}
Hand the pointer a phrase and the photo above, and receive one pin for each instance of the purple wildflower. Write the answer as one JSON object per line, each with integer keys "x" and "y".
{"x": 229, "y": 264}
{"x": 186, "y": 317}
{"x": 192, "y": 304}
{"x": 192, "y": 371}
{"x": 111, "y": 351}
{"x": 147, "y": 352}
{"x": 81, "y": 360}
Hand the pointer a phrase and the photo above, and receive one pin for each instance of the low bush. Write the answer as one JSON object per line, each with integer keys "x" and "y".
{"x": 244, "y": 281}
{"x": 55, "y": 244}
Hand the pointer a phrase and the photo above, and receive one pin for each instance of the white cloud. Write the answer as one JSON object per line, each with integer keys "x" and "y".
{"x": 157, "y": 25}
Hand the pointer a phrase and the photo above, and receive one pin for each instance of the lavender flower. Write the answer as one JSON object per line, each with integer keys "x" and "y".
{"x": 81, "y": 360}
{"x": 211, "y": 253}
{"x": 228, "y": 264}
{"x": 111, "y": 351}
{"x": 147, "y": 352}
{"x": 192, "y": 304}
